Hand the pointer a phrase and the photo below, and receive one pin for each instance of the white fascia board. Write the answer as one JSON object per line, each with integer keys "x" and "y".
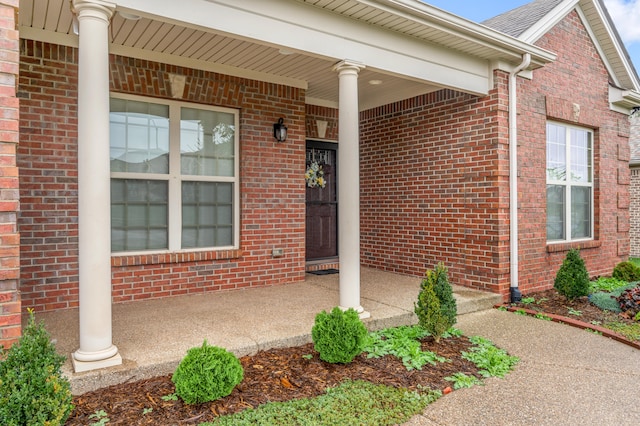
{"x": 623, "y": 100}
{"x": 431, "y": 16}
{"x": 328, "y": 35}
{"x": 543, "y": 26}
{"x": 30, "y": 33}
{"x": 534, "y": 33}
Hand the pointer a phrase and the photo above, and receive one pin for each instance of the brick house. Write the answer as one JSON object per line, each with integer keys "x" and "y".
{"x": 634, "y": 187}
{"x": 149, "y": 165}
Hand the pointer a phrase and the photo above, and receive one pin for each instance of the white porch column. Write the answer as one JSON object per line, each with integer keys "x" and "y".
{"x": 94, "y": 205}
{"x": 349, "y": 190}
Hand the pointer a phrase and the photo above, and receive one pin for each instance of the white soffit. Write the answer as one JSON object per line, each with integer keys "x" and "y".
{"x": 411, "y": 47}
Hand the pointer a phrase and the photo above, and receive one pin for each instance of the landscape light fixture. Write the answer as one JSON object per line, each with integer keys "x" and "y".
{"x": 280, "y": 131}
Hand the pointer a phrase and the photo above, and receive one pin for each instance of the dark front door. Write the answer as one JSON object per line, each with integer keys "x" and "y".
{"x": 322, "y": 204}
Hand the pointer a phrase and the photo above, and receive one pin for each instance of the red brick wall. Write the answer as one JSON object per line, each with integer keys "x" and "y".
{"x": 272, "y": 186}
{"x": 434, "y": 186}
{"x": 435, "y": 173}
{"x": 9, "y": 197}
{"x": 573, "y": 89}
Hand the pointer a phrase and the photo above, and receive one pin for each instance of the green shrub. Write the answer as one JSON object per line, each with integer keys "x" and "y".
{"x": 607, "y": 300}
{"x": 338, "y": 336}
{"x": 572, "y": 279}
{"x": 33, "y": 390}
{"x": 436, "y": 307}
{"x": 207, "y": 373}
{"x": 626, "y": 271}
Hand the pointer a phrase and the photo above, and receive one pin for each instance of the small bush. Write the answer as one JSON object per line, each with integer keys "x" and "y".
{"x": 629, "y": 301}
{"x": 436, "y": 307}
{"x": 207, "y": 373}
{"x": 338, "y": 336}
{"x": 33, "y": 390}
{"x": 626, "y": 271}
{"x": 572, "y": 279}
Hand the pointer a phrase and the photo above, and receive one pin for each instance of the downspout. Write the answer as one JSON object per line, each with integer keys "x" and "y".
{"x": 515, "y": 294}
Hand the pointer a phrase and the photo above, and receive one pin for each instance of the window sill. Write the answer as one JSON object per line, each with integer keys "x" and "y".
{"x": 175, "y": 257}
{"x": 566, "y": 246}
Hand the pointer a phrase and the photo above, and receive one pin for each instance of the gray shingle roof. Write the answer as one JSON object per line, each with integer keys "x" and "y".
{"x": 517, "y": 21}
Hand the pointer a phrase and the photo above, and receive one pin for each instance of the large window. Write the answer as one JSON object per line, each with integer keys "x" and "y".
{"x": 174, "y": 176}
{"x": 569, "y": 183}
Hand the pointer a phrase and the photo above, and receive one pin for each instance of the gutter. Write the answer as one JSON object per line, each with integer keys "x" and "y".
{"x": 514, "y": 292}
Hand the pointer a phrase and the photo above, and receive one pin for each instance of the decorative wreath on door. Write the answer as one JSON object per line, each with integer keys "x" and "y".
{"x": 315, "y": 175}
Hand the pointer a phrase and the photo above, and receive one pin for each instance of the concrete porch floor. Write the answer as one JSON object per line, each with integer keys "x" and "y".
{"x": 153, "y": 336}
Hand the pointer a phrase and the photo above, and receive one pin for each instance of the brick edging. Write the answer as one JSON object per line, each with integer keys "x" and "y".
{"x": 574, "y": 323}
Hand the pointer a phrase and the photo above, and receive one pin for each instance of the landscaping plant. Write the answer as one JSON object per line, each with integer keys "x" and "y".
{"x": 629, "y": 302}
{"x": 338, "y": 336}
{"x": 207, "y": 373}
{"x": 626, "y": 271}
{"x": 572, "y": 279}
{"x": 606, "y": 300}
{"x": 436, "y": 307}
{"x": 33, "y": 390}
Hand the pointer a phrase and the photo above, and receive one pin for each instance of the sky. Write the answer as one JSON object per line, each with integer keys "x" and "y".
{"x": 625, "y": 15}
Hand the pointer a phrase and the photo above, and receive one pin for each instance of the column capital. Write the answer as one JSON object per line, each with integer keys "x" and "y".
{"x": 94, "y": 8}
{"x": 348, "y": 65}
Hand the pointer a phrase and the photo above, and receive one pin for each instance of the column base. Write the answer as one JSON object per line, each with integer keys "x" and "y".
{"x": 83, "y": 361}
{"x": 360, "y": 310}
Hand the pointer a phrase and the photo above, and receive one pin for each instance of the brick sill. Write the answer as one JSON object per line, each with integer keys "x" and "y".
{"x": 167, "y": 258}
{"x": 558, "y": 247}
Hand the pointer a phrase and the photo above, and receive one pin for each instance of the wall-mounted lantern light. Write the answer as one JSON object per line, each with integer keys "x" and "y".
{"x": 280, "y": 131}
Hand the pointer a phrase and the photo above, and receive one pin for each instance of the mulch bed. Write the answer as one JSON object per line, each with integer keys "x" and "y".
{"x": 269, "y": 376}
{"x": 578, "y": 313}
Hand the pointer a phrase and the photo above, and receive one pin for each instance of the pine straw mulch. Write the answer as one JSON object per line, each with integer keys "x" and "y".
{"x": 271, "y": 375}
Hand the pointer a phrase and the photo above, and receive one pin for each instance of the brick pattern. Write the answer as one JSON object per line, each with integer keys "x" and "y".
{"x": 272, "y": 184}
{"x": 435, "y": 174}
{"x": 634, "y": 189}
{"x": 10, "y": 302}
{"x": 435, "y": 186}
{"x": 552, "y": 95}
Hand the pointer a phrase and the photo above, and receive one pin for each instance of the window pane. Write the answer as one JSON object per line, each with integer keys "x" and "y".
{"x": 556, "y": 153}
{"x": 580, "y": 212}
{"x": 207, "y": 218}
{"x": 207, "y": 141}
{"x": 139, "y": 137}
{"x": 580, "y": 155}
{"x": 555, "y": 212}
{"x": 139, "y": 215}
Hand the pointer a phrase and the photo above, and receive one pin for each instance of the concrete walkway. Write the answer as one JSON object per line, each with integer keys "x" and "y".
{"x": 153, "y": 336}
{"x": 566, "y": 376}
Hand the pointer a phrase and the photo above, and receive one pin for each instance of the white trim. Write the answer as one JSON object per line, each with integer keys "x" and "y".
{"x": 567, "y": 184}
{"x": 175, "y": 177}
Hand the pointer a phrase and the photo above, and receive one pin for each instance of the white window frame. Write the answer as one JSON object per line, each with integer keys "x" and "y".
{"x": 175, "y": 177}
{"x": 568, "y": 184}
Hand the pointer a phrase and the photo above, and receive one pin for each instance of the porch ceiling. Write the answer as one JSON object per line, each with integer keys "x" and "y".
{"x": 176, "y": 42}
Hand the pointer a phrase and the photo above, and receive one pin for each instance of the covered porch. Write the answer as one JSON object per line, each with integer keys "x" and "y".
{"x": 154, "y": 335}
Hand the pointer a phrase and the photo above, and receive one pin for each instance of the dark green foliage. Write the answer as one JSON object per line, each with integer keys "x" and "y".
{"x": 572, "y": 279}
{"x": 33, "y": 390}
{"x": 626, "y": 271}
{"x": 436, "y": 307}
{"x": 338, "y": 336}
{"x": 207, "y": 373}
{"x": 629, "y": 301}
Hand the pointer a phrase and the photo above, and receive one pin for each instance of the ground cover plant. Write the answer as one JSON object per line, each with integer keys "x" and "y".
{"x": 386, "y": 386}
